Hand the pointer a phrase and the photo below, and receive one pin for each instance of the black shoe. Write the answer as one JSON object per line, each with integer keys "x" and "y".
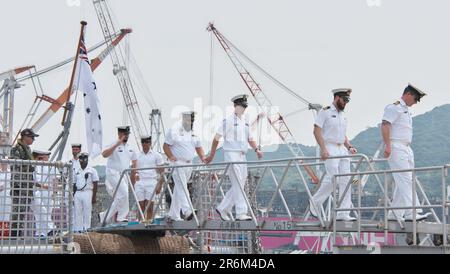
{"x": 51, "y": 233}
{"x": 312, "y": 215}
{"x": 191, "y": 216}
{"x": 224, "y": 218}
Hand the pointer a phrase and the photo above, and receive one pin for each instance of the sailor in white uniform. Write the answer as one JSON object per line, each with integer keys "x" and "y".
{"x": 146, "y": 186}
{"x": 330, "y": 131}
{"x": 44, "y": 187}
{"x": 5, "y": 197}
{"x": 180, "y": 147}
{"x": 86, "y": 182}
{"x": 397, "y": 133}
{"x": 235, "y": 131}
{"x": 76, "y": 150}
{"x": 120, "y": 155}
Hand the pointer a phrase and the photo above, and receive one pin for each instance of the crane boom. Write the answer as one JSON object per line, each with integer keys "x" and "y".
{"x": 138, "y": 123}
{"x": 14, "y": 72}
{"x": 59, "y": 102}
{"x": 275, "y": 120}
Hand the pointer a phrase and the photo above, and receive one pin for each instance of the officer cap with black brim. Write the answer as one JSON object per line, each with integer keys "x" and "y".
{"x": 343, "y": 92}
{"x": 83, "y": 156}
{"x": 41, "y": 152}
{"x": 146, "y": 139}
{"x": 124, "y": 129}
{"x": 240, "y": 100}
{"x": 76, "y": 145}
{"x": 414, "y": 90}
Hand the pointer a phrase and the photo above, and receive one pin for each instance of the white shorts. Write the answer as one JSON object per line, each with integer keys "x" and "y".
{"x": 144, "y": 189}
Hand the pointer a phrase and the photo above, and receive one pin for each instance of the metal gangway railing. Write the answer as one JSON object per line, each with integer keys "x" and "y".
{"x": 435, "y": 230}
{"x": 35, "y": 207}
{"x": 209, "y": 183}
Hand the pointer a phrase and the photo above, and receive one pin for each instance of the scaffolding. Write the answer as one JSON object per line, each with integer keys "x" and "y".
{"x": 35, "y": 202}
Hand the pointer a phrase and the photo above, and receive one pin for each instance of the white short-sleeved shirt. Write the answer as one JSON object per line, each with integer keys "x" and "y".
{"x": 75, "y": 166}
{"x": 121, "y": 157}
{"x": 182, "y": 143}
{"x": 236, "y": 134}
{"x": 44, "y": 175}
{"x": 400, "y": 117}
{"x": 84, "y": 184}
{"x": 151, "y": 159}
{"x": 333, "y": 124}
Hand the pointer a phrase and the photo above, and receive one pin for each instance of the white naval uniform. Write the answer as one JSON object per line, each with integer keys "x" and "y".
{"x": 402, "y": 157}
{"x": 75, "y": 166}
{"x": 146, "y": 185}
{"x": 42, "y": 200}
{"x": 236, "y": 134}
{"x": 334, "y": 127}
{"x": 182, "y": 144}
{"x": 116, "y": 164}
{"x": 83, "y": 197}
{"x": 5, "y": 197}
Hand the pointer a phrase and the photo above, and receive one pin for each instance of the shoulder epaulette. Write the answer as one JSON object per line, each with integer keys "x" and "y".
{"x": 326, "y": 108}
{"x": 397, "y": 103}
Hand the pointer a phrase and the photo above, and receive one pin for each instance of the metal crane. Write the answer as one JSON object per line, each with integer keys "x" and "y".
{"x": 276, "y": 120}
{"x": 120, "y": 70}
{"x": 7, "y": 93}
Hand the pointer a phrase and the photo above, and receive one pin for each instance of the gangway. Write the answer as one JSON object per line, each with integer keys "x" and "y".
{"x": 210, "y": 182}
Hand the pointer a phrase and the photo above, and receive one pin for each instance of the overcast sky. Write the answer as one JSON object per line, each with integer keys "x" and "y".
{"x": 374, "y": 47}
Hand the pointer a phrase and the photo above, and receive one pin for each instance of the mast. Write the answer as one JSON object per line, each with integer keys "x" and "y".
{"x": 57, "y": 104}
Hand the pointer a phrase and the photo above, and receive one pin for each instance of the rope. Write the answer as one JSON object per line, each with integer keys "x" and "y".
{"x": 265, "y": 73}
{"x": 90, "y": 242}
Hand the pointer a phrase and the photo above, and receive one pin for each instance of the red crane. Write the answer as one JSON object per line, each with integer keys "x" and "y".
{"x": 276, "y": 120}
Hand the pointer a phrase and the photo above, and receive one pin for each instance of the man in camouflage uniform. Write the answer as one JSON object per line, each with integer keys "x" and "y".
{"x": 21, "y": 182}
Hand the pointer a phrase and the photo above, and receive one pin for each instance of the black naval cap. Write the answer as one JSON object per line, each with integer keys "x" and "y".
{"x": 124, "y": 129}
{"x": 28, "y": 132}
{"x": 414, "y": 90}
{"x": 146, "y": 139}
{"x": 240, "y": 100}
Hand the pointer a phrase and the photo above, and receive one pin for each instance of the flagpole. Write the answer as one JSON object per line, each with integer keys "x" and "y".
{"x": 72, "y": 79}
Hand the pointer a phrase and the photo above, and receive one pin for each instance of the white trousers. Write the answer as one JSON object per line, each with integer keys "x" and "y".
{"x": 145, "y": 189}
{"x": 180, "y": 195}
{"x": 120, "y": 204}
{"x": 334, "y": 167}
{"x": 402, "y": 157}
{"x": 42, "y": 209}
{"x": 83, "y": 210}
{"x": 238, "y": 178}
{"x": 5, "y": 206}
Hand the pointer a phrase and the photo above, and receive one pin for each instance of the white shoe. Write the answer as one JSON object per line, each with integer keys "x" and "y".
{"x": 346, "y": 218}
{"x": 243, "y": 217}
{"x": 101, "y": 217}
{"x": 223, "y": 215}
{"x": 419, "y": 217}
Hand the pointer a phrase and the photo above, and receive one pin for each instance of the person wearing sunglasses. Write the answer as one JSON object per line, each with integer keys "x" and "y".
{"x": 330, "y": 131}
